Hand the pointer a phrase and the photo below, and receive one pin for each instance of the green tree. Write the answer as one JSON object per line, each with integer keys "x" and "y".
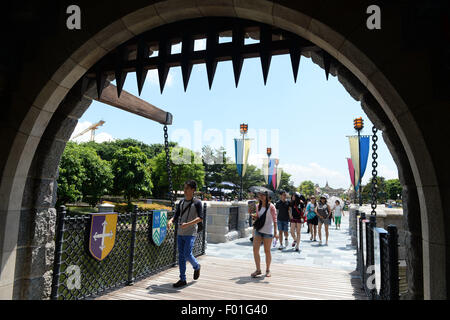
{"x": 253, "y": 177}
{"x": 71, "y": 175}
{"x": 132, "y": 176}
{"x": 306, "y": 188}
{"x": 106, "y": 150}
{"x": 366, "y": 192}
{"x": 98, "y": 176}
{"x": 393, "y": 188}
{"x": 185, "y": 164}
{"x": 215, "y": 163}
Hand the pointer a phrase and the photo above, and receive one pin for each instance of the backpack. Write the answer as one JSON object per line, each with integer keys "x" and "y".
{"x": 200, "y": 224}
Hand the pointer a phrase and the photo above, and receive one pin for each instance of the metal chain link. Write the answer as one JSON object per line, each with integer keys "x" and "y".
{"x": 169, "y": 167}
{"x": 374, "y": 171}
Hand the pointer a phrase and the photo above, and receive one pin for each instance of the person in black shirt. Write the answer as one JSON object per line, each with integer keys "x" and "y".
{"x": 282, "y": 207}
{"x": 296, "y": 213}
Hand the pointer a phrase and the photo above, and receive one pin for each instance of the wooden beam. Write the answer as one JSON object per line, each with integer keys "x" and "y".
{"x": 130, "y": 103}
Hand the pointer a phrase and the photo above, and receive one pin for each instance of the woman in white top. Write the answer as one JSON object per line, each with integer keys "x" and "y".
{"x": 337, "y": 211}
{"x": 265, "y": 234}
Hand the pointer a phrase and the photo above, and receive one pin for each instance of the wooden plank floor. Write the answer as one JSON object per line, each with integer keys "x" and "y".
{"x": 229, "y": 279}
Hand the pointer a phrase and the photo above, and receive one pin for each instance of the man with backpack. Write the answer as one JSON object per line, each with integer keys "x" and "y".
{"x": 188, "y": 215}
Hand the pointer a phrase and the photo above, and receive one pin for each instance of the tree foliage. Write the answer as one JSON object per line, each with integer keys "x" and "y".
{"x": 98, "y": 176}
{"x": 393, "y": 189}
{"x": 191, "y": 168}
{"x": 307, "y": 188}
{"x": 132, "y": 176}
{"x": 71, "y": 175}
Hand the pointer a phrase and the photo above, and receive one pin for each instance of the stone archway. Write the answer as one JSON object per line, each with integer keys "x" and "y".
{"x": 383, "y": 104}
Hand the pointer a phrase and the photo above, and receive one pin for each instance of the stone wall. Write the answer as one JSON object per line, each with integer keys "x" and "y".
{"x": 217, "y": 219}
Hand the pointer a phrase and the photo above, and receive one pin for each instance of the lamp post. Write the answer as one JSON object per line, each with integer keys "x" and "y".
{"x": 244, "y": 129}
{"x": 269, "y": 152}
{"x": 358, "y": 124}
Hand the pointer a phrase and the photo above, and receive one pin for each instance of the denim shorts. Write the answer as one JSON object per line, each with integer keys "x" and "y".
{"x": 262, "y": 235}
{"x": 283, "y": 225}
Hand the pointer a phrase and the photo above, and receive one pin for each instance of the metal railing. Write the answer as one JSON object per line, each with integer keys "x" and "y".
{"x": 377, "y": 258}
{"x": 77, "y": 275}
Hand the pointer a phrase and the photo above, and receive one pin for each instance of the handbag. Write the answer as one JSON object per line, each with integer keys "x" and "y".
{"x": 259, "y": 223}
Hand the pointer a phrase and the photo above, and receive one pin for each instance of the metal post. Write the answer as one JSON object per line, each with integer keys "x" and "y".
{"x": 204, "y": 229}
{"x": 61, "y": 214}
{"x": 132, "y": 245}
{"x": 394, "y": 290}
{"x": 359, "y": 165}
{"x": 175, "y": 243}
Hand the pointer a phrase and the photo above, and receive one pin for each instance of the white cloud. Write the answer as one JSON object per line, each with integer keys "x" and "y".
{"x": 99, "y": 137}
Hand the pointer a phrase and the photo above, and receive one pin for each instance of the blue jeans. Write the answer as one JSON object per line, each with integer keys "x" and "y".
{"x": 185, "y": 245}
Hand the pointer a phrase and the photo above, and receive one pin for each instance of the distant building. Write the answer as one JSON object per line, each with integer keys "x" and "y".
{"x": 328, "y": 190}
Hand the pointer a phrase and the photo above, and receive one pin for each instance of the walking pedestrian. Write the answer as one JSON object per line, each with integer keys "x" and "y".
{"x": 265, "y": 230}
{"x": 187, "y": 215}
{"x": 324, "y": 214}
{"x": 337, "y": 213}
{"x": 282, "y": 207}
{"x": 312, "y": 218}
{"x": 296, "y": 216}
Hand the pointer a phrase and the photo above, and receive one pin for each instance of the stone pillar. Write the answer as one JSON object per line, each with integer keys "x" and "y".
{"x": 35, "y": 245}
{"x": 218, "y": 218}
{"x": 105, "y": 208}
{"x": 352, "y": 223}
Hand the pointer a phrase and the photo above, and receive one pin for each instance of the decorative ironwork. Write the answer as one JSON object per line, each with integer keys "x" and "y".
{"x": 77, "y": 275}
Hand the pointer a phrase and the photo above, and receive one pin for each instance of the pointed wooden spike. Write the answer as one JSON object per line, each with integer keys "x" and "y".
{"x": 238, "y": 44}
{"x": 187, "y": 47}
{"x": 265, "y": 50}
{"x": 141, "y": 73}
{"x": 326, "y": 63}
{"x": 295, "y": 54}
{"x": 212, "y": 39}
{"x": 100, "y": 79}
{"x": 163, "y": 69}
{"x": 186, "y": 69}
{"x": 119, "y": 73}
{"x": 211, "y": 65}
{"x": 163, "y": 72}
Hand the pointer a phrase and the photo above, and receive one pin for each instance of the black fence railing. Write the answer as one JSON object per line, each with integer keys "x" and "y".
{"x": 78, "y": 275}
{"x": 377, "y": 258}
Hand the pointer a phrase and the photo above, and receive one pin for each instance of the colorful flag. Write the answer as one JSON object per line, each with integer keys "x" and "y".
{"x": 279, "y": 171}
{"x": 358, "y": 155}
{"x": 242, "y": 148}
{"x": 265, "y": 170}
{"x": 351, "y": 170}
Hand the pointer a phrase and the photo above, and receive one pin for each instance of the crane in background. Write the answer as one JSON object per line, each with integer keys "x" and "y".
{"x": 91, "y": 128}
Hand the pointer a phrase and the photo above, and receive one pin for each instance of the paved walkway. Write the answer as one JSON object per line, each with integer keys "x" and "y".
{"x": 316, "y": 272}
{"x": 339, "y": 254}
{"x": 226, "y": 279}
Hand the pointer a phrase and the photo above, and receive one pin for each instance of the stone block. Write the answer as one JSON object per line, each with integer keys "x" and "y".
{"x": 175, "y": 10}
{"x": 256, "y": 10}
{"x": 142, "y": 20}
{"x": 68, "y": 73}
{"x": 223, "y": 8}
{"x": 113, "y": 35}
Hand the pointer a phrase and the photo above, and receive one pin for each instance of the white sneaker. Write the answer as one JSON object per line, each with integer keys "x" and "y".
{"x": 320, "y": 242}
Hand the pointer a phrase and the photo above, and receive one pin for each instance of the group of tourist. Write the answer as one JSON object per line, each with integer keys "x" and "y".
{"x": 269, "y": 219}
{"x": 294, "y": 212}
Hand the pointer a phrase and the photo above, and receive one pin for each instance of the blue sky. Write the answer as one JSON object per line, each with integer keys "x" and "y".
{"x": 305, "y": 123}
